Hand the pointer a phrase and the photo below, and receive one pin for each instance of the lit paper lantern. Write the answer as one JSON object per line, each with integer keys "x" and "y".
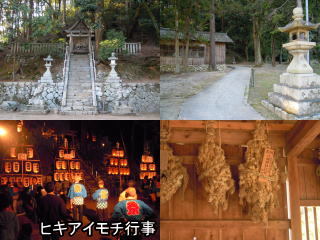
{"x": 28, "y": 166}
{"x": 67, "y": 176}
{"x": 26, "y": 182}
{"x": 22, "y": 156}
{"x": 19, "y": 127}
{"x": 7, "y": 167}
{"x": 152, "y": 167}
{"x": 72, "y": 165}
{"x": 94, "y": 138}
{"x": 61, "y": 176}
{"x": 77, "y": 165}
{"x": 61, "y": 153}
{"x": 16, "y": 167}
{"x": 36, "y": 167}
{"x": 64, "y": 165}
{"x": 30, "y": 152}
{"x": 13, "y": 179}
{"x": 73, "y": 153}
{"x": 58, "y": 165}
{"x": 143, "y": 167}
{"x": 109, "y": 170}
{"x": 13, "y": 152}
{"x": 56, "y": 177}
{"x": 4, "y": 180}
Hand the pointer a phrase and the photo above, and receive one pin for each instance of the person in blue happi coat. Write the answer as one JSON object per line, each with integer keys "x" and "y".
{"x": 132, "y": 209}
{"x": 77, "y": 194}
{"x": 101, "y": 196}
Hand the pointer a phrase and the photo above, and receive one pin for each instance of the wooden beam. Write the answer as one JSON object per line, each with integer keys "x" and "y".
{"x": 226, "y": 224}
{"x": 229, "y": 137}
{"x": 233, "y": 125}
{"x": 302, "y": 135}
{"x": 310, "y": 203}
{"x": 293, "y": 176}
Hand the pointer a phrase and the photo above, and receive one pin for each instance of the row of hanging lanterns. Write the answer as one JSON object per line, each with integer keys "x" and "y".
{"x": 73, "y": 165}
{"x": 66, "y": 176}
{"x": 147, "y": 165}
{"x": 117, "y": 171}
{"x": 15, "y": 167}
{"x": 117, "y": 163}
{"x": 26, "y": 181}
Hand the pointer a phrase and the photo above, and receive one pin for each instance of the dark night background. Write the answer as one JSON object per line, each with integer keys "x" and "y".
{"x": 134, "y": 134}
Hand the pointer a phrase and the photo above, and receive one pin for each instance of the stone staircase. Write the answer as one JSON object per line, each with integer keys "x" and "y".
{"x": 79, "y": 92}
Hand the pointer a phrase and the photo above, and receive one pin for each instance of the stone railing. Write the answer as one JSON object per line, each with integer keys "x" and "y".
{"x": 66, "y": 68}
{"x": 130, "y": 48}
{"x": 26, "y": 49}
{"x": 93, "y": 73}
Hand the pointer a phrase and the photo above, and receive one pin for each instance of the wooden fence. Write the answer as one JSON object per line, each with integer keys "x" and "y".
{"x": 36, "y": 49}
{"x": 130, "y": 48}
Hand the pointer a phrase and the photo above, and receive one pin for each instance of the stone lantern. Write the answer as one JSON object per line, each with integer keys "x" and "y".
{"x": 297, "y": 96}
{"x": 47, "y": 77}
{"x": 113, "y": 75}
{"x": 299, "y": 45}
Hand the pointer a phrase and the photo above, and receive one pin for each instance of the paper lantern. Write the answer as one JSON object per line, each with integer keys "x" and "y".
{"x": 4, "y": 180}
{"x": 77, "y": 165}
{"x": 143, "y": 167}
{"x": 72, "y": 165}
{"x": 61, "y": 176}
{"x": 94, "y": 138}
{"x": 36, "y": 167}
{"x": 22, "y": 156}
{"x": 73, "y": 153}
{"x": 13, "y": 152}
{"x": 30, "y": 152}
{"x": 13, "y": 179}
{"x": 152, "y": 167}
{"x": 64, "y": 165}
{"x": 19, "y": 127}
{"x": 56, "y": 176}
{"x": 28, "y": 166}
{"x": 16, "y": 167}
{"x": 146, "y": 159}
{"x": 109, "y": 170}
{"x": 61, "y": 153}
{"x": 67, "y": 176}
{"x": 117, "y": 153}
{"x": 7, "y": 167}
{"x": 26, "y": 182}
{"x": 58, "y": 165}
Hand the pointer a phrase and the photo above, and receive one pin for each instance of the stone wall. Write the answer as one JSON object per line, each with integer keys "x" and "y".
{"x": 26, "y": 93}
{"x": 141, "y": 97}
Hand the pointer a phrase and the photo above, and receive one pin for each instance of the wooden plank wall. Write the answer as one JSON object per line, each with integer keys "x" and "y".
{"x": 220, "y": 57}
{"x": 188, "y": 216}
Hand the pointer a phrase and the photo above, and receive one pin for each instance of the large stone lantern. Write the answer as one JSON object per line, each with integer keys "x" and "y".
{"x": 299, "y": 45}
{"x": 297, "y": 96}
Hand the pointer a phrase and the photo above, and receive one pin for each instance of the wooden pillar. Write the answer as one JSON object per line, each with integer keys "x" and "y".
{"x": 293, "y": 176}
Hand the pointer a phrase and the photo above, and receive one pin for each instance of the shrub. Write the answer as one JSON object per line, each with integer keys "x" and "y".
{"x": 115, "y": 39}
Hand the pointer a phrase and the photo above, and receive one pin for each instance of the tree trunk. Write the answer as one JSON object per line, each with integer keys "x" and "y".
{"x": 99, "y": 23}
{"x": 64, "y": 14}
{"x": 257, "y": 42}
{"x": 29, "y": 32}
{"x": 187, "y": 34}
{"x": 153, "y": 19}
{"x": 212, "y": 64}
{"x": 177, "y": 52}
{"x": 273, "y": 50}
{"x": 246, "y": 51}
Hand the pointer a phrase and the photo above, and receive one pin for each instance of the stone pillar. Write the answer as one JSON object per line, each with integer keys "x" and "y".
{"x": 297, "y": 94}
{"x": 47, "y": 77}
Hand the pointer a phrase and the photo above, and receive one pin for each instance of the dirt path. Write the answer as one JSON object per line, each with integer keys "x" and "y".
{"x": 223, "y": 100}
{"x": 176, "y": 89}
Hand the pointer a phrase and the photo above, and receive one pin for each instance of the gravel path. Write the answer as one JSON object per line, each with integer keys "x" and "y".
{"x": 223, "y": 100}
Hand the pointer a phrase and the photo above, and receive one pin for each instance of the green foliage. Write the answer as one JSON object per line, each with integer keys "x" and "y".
{"x": 44, "y": 25}
{"x": 86, "y": 5}
{"x": 115, "y": 40}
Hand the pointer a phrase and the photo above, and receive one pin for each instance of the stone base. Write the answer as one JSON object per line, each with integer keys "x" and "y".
{"x": 297, "y": 95}
{"x": 123, "y": 110}
{"x": 36, "y": 109}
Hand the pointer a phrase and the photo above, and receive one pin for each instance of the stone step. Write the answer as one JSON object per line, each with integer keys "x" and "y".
{"x": 299, "y": 108}
{"x": 298, "y": 94}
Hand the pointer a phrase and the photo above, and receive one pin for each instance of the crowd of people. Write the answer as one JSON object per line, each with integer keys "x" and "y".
{"x": 23, "y": 207}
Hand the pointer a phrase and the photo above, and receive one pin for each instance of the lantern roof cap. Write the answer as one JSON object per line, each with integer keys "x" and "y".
{"x": 298, "y": 22}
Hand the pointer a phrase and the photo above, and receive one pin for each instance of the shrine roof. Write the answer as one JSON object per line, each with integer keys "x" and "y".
{"x": 79, "y": 27}
{"x": 167, "y": 33}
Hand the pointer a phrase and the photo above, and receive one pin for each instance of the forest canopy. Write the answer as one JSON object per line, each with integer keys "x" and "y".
{"x": 46, "y": 20}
